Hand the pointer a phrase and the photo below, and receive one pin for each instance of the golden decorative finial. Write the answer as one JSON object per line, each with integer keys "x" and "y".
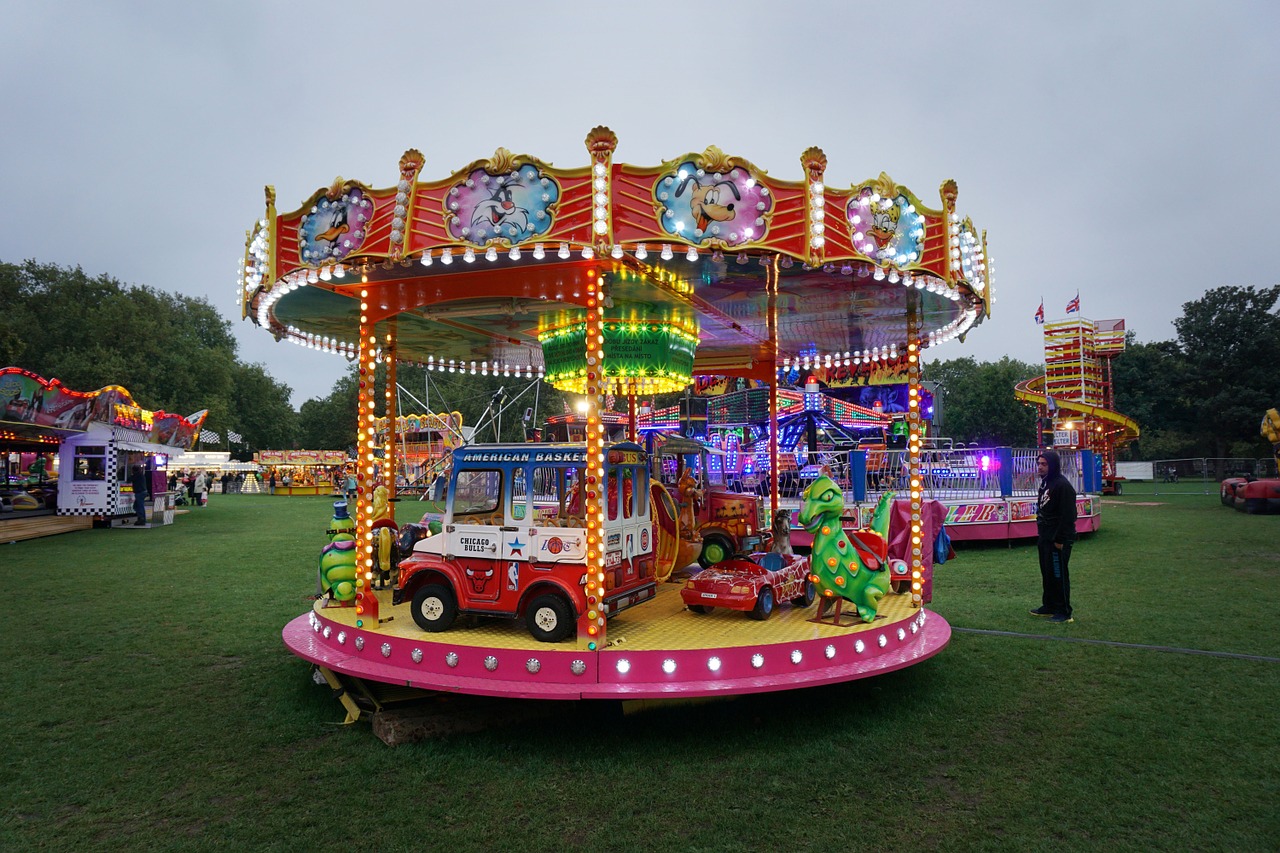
{"x": 335, "y": 189}
{"x": 411, "y": 163}
{"x": 949, "y": 192}
{"x": 501, "y": 162}
{"x": 714, "y": 160}
{"x": 271, "y": 194}
{"x": 885, "y": 186}
{"x": 601, "y": 141}
{"x": 814, "y": 161}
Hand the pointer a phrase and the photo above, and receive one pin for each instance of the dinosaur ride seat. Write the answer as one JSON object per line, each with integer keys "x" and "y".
{"x": 872, "y": 548}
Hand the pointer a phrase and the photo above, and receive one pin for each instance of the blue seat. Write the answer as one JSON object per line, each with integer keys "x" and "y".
{"x": 771, "y": 561}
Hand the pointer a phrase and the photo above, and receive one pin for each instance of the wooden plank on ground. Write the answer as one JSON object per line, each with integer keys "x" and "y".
{"x": 17, "y": 529}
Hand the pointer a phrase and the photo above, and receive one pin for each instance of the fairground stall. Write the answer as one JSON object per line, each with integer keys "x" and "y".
{"x": 82, "y": 447}
{"x": 303, "y": 472}
{"x": 218, "y": 463}
{"x": 425, "y": 445}
{"x": 626, "y": 280}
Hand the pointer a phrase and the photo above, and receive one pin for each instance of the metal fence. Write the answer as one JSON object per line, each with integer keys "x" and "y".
{"x": 1202, "y": 475}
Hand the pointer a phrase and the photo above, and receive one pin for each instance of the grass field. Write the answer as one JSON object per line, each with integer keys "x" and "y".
{"x": 148, "y": 703}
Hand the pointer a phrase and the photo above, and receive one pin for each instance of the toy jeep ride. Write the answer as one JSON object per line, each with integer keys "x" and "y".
{"x": 513, "y": 539}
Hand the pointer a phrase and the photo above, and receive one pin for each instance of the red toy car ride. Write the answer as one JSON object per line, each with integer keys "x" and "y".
{"x": 753, "y": 585}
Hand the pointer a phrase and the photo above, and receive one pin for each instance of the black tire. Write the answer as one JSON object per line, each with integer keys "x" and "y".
{"x": 700, "y": 608}
{"x": 714, "y": 549}
{"x": 549, "y": 618}
{"x": 764, "y": 605}
{"x": 810, "y": 593}
{"x": 1119, "y": 488}
{"x": 434, "y": 608}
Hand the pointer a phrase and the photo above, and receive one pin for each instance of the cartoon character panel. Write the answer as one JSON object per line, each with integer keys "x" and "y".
{"x": 887, "y": 229}
{"x": 334, "y": 227}
{"x": 729, "y": 208}
{"x": 505, "y": 209}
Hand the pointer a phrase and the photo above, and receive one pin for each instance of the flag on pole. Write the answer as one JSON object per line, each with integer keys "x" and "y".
{"x": 1039, "y": 318}
{"x": 1073, "y": 307}
{"x": 210, "y": 435}
{"x": 234, "y": 436}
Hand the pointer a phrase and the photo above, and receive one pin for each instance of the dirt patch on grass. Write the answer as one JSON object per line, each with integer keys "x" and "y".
{"x": 1133, "y": 503}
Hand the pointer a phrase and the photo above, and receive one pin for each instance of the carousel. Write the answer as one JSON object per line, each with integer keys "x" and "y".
{"x": 613, "y": 280}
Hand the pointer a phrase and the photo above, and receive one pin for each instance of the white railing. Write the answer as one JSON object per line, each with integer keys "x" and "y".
{"x": 958, "y": 473}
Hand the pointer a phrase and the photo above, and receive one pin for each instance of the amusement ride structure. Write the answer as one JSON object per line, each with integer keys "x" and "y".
{"x": 1075, "y": 399}
{"x": 607, "y": 279}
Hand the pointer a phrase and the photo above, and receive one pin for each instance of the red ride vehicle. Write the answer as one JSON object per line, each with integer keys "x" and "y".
{"x": 513, "y": 541}
{"x": 728, "y": 522}
{"x": 753, "y": 585}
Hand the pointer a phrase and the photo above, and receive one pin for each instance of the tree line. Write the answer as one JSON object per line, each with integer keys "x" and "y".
{"x": 1202, "y": 393}
{"x": 171, "y": 352}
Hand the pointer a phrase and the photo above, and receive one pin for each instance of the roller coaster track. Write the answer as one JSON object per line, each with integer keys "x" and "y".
{"x": 1032, "y": 391}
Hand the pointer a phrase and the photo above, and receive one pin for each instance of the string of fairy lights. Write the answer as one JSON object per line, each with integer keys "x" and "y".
{"x": 593, "y": 619}
{"x": 253, "y": 270}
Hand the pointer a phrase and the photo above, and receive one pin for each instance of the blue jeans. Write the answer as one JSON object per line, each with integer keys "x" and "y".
{"x": 140, "y": 507}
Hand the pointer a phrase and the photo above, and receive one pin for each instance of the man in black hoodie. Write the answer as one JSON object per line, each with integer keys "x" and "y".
{"x": 141, "y": 494}
{"x": 1056, "y": 526}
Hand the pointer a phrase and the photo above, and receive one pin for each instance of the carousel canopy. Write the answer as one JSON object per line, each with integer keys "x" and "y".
{"x": 708, "y": 266}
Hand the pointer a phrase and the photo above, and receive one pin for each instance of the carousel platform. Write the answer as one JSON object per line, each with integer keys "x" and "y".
{"x": 655, "y": 650}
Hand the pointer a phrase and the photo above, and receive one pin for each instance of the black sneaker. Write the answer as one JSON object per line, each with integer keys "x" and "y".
{"x": 1042, "y": 611}
{"x": 1059, "y": 618}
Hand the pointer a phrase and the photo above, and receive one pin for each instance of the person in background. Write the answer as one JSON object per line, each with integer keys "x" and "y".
{"x": 199, "y": 488}
{"x": 141, "y": 494}
{"x": 271, "y": 482}
{"x": 173, "y": 481}
{"x": 1056, "y": 531}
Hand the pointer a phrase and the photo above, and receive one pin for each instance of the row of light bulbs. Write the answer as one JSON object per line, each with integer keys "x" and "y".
{"x": 954, "y": 329}
{"x": 817, "y": 213}
{"x": 484, "y": 368}
{"x": 973, "y": 259}
{"x": 600, "y": 184}
{"x": 623, "y": 666}
{"x": 875, "y": 354}
{"x": 252, "y": 273}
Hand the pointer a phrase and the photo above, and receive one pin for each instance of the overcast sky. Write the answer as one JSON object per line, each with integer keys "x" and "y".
{"x": 1124, "y": 149}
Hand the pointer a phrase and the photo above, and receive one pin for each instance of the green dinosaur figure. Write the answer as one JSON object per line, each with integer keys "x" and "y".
{"x": 839, "y": 569}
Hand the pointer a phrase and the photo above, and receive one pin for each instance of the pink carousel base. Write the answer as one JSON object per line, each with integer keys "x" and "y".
{"x": 666, "y": 652}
